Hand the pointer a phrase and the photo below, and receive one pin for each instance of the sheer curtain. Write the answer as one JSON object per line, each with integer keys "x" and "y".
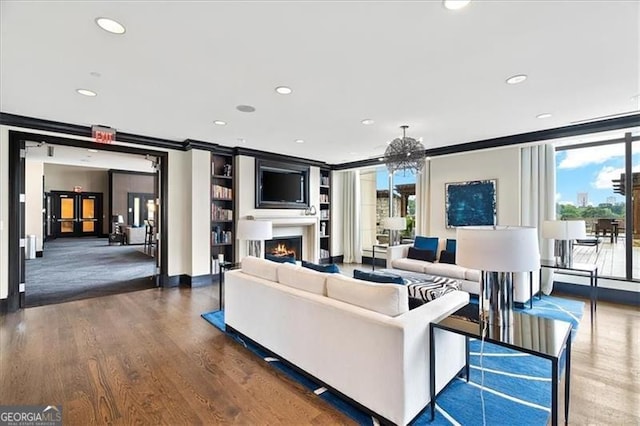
{"x": 423, "y": 194}
{"x": 351, "y": 217}
{"x": 537, "y": 204}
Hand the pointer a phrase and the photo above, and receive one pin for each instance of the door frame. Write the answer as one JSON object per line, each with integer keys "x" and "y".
{"x": 16, "y": 201}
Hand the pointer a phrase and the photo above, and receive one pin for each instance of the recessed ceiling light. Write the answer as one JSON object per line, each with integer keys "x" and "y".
{"x": 110, "y": 25}
{"x": 455, "y": 4}
{"x": 92, "y": 150}
{"x": 367, "y": 121}
{"x": 299, "y": 140}
{"x": 284, "y": 90}
{"x": 245, "y": 108}
{"x": 515, "y": 79}
{"x": 543, "y": 115}
{"x": 94, "y": 74}
{"x": 220, "y": 123}
{"x": 86, "y": 92}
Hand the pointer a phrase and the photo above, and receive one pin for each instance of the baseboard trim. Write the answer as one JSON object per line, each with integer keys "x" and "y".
{"x": 368, "y": 260}
{"x": 39, "y": 253}
{"x": 169, "y": 281}
{"x": 197, "y": 281}
{"x": 382, "y": 420}
{"x": 624, "y": 297}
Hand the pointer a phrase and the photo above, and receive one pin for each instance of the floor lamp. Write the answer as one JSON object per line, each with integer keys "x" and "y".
{"x": 498, "y": 251}
{"x": 564, "y": 232}
{"x": 254, "y": 232}
{"x": 394, "y": 224}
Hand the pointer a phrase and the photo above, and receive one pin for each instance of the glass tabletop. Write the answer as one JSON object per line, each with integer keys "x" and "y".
{"x": 533, "y": 334}
{"x": 586, "y": 267}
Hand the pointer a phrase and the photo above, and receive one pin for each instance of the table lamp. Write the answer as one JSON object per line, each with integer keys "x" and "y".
{"x": 498, "y": 251}
{"x": 564, "y": 232}
{"x": 254, "y": 232}
{"x": 394, "y": 224}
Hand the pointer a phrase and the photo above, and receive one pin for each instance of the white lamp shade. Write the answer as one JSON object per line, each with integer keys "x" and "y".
{"x": 252, "y": 230}
{"x": 395, "y": 223}
{"x": 498, "y": 249}
{"x": 564, "y": 229}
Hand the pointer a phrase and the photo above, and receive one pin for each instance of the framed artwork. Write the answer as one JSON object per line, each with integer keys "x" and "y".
{"x": 470, "y": 203}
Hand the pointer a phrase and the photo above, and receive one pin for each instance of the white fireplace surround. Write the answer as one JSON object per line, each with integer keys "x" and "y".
{"x": 285, "y": 226}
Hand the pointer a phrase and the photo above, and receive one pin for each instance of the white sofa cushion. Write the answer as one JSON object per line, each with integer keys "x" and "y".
{"x": 472, "y": 275}
{"x": 444, "y": 270}
{"x": 409, "y": 264}
{"x": 260, "y": 268}
{"x": 388, "y": 299}
{"x": 302, "y": 278}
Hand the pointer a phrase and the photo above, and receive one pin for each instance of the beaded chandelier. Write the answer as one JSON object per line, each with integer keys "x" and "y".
{"x": 404, "y": 154}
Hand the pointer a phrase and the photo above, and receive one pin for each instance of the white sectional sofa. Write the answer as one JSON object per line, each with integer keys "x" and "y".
{"x": 469, "y": 278}
{"x": 355, "y": 337}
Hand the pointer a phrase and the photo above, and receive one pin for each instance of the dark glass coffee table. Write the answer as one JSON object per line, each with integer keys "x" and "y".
{"x": 543, "y": 337}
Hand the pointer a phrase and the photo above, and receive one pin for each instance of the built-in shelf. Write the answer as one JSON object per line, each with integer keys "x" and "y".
{"x": 325, "y": 215}
{"x": 222, "y": 227}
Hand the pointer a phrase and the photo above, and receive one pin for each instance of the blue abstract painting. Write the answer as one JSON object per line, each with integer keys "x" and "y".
{"x": 470, "y": 203}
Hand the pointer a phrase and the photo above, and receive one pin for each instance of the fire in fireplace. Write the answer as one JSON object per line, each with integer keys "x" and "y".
{"x": 284, "y": 246}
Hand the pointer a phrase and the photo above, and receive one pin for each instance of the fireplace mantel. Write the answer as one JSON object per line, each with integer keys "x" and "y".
{"x": 288, "y": 220}
{"x": 307, "y": 226}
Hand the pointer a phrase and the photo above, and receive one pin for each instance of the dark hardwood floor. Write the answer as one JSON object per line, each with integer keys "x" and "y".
{"x": 149, "y": 358}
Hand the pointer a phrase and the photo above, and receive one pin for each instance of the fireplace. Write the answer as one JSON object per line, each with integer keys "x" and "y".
{"x": 284, "y": 246}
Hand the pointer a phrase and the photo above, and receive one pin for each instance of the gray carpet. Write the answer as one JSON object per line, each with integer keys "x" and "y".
{"x": 79, "y": 268}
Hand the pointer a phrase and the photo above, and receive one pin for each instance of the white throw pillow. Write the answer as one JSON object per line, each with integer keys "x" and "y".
{"x": 260, "y": 268}
{"x": 302, "y": 278}
{"x": 388, "y": 299}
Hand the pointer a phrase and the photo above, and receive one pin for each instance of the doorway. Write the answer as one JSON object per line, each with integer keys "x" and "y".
{"x": 80, "y": 216}
{"x": 76, "y": 214}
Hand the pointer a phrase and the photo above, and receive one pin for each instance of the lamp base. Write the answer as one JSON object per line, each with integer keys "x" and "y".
{"x": 496, "y": 299}
{"x": 563, "y": 252}
{"x": 253, "y": 248}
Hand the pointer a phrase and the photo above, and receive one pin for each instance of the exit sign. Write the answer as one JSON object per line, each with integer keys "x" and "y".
{"x": 103, "y": 134}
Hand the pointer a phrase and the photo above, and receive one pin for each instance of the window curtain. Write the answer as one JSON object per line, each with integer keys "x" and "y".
{"x": 351, "y": 218}
{"x": 423, "y": 195}
{"x": 537, "y": 204}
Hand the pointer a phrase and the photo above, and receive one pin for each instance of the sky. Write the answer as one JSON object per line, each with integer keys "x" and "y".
{"x": 591, "y": 170}
{"x": 382, "y": 178}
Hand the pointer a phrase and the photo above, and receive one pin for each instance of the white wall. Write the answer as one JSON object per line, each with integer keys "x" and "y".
{"x": 502, "y": 164}
{"x": 200, "y": 213}
{"x": 4, "y": 212}
{"x": 179, "y": 225}
{"x": 34, "y": 171}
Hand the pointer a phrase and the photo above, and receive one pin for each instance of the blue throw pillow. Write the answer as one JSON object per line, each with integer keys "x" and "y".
{"x": 377, "y": 277}
{"x": 331, "y": 268}
{"x": 426, "y": 243}
{"x": 451, "y": 245}
{"x": 280, "y": 259}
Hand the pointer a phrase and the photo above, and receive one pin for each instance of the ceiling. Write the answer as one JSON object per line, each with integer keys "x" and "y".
{"x": 182, "y": 65}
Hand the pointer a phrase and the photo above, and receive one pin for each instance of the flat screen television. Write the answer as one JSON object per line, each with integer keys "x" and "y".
{"x": 281, "y": 185}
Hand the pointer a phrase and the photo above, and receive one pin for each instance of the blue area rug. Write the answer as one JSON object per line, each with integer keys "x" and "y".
{"x": 517, "y": 386}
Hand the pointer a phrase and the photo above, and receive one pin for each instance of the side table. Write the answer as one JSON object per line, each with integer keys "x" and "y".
{"x": 523, "y": 336}
{"x": 223, "y": 266}
{"x": 373, "y": 254}
{"x": 578, "y": 269}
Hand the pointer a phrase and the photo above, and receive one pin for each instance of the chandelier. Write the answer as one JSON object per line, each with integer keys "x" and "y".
{"x": 404, "y": 154}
